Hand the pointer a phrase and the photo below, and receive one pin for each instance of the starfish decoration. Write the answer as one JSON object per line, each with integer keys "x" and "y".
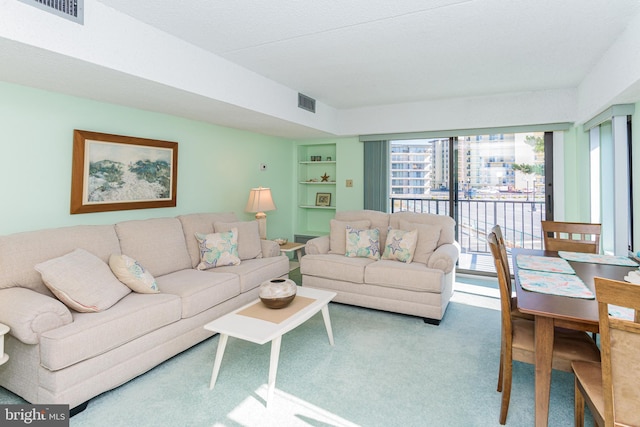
{"x": 325, "y": 177}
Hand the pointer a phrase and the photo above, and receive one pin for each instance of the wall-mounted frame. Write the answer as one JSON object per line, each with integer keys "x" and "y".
{"x": 114, "y": 172}
{"x": 323, "y": 199}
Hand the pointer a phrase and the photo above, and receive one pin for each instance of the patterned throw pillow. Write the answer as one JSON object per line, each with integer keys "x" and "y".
{"x": 400, "y": 245}
{"x": 218, "y": 249}
{"x": 131, "y": 273}
{"x": 362, "y": 243}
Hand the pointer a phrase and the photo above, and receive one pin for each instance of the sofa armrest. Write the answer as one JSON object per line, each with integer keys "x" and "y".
{"x": 318, "y": 245}
{"x": 444, "y": 257}
{"x": 269, "y": 248}
{"x": 29, "y": 313}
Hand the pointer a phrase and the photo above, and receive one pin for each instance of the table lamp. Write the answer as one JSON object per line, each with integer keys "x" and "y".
{"x": 260, "y": 201}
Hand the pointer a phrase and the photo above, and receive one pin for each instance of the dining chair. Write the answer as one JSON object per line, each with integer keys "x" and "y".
{"x": 518, "y": 337}
{"x": 571, "y": 236}
{"x": 611, "y": 388}
{"x": 504, "y": 257}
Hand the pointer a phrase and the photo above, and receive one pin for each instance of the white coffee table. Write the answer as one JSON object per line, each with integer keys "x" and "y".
{"x": 262, "y": 331}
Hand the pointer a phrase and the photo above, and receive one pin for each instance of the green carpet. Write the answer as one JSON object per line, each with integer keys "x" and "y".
{"x": 384, "y": 370}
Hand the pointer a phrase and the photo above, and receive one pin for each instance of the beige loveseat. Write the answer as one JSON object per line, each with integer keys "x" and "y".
{"x": 62, "y": 356}
{"x": 421, "y": 287}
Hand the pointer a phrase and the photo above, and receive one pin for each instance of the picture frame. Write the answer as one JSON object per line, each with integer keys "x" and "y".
{"x": 115, "y": 172}
{"x": 323, "y": 199}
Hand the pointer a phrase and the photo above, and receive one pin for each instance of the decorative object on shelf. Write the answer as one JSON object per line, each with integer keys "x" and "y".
{"x": 312, "y": 180}
{"x": 281, "y": 241}
{"x": 259, "y": 202}
{"x": 316, "y": 158}
{"x": 277, "y": 293}
{"x": 328, "y": 159}
{"x": 323, "y": 199}
{"x": 325, "y": 177}
{"x": 115, "y": 172}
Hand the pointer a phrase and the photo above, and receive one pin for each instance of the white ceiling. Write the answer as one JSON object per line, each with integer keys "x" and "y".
{"x": 350, "y": 54}
{"x": 359, "y": 53}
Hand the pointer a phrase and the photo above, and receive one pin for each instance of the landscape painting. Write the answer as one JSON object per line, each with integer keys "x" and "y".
{"x": 113, "y": 172}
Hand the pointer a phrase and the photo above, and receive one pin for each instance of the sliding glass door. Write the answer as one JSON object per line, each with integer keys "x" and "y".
{"x": 479, "y": 180}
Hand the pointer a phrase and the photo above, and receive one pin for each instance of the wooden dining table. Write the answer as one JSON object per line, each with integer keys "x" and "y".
{"x": 554, "y": 310}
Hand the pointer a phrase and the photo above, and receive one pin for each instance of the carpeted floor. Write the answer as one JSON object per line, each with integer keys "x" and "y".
{"x": 384, "y": 370}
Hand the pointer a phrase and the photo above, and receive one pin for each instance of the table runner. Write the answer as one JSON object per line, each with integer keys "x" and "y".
{"x": 276, "y": 315}
{"x": 597, "y": 258}
{"x": 544, "y": 263}
{"x": 568, "y": 285}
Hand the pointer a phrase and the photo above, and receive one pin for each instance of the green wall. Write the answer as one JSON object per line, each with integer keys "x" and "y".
{"x": 216, "y": 166}
{"x": 576, "y": 173}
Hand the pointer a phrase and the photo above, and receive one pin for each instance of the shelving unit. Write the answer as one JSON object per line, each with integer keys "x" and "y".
{"x": 313, "y": 192}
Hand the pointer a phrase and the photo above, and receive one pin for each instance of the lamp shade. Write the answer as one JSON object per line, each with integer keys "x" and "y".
{"x": 260, "y": 200}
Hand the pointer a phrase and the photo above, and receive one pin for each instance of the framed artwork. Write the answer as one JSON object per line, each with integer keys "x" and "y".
{"x": 114, "y": 172}
{"x": 323, "y": 199}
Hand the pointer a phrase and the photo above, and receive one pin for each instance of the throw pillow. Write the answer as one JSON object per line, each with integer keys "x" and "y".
{"x": 400, "y": 245}
{"x": 362, "y": 243}
{"x": 428, "y": 237}
{"x": 218, "y": 249}
{"x": 249, "y": 246}
{"x": 82, "y": 281}
{"x": 131, "y": 273}
{"x": 337, "y": 234}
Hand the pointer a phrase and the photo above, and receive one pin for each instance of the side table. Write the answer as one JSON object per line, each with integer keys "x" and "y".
{"x": 3, "y": 356}
{"x": 292, "y": 247}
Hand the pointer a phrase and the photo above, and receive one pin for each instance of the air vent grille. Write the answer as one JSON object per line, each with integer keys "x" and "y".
{"x": 70, "y": 9}
{"x": 306, "y": 103}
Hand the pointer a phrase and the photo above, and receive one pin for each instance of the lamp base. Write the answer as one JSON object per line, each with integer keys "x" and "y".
{"x": 261, "y": 217}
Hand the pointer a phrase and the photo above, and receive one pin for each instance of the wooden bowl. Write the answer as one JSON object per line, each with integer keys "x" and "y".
{"x": 277, "y": 302}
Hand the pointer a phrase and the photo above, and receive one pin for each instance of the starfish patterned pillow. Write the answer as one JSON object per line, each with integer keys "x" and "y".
{"x": 400, "y": 245}
{"x": 218, "y": 249}
{"x": 362, "y": 243}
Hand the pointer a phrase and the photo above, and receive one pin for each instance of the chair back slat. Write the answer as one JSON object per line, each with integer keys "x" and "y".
{"x": 620, "y": 341}
{"x": 504, "y": 282}
{"x": 571, "y": 236}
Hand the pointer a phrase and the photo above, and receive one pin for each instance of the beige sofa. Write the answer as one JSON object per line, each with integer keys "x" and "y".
{"x": 62, "y": 356}
{"x": 421, "y": 287}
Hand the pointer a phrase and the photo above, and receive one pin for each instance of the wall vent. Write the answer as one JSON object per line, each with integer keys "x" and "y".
{"x": 70, "y": 9}
{"x": 306, "y": 103}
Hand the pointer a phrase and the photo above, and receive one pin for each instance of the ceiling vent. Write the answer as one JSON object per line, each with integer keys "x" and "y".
{"x": 306, "y": 103}
{"x": 70, "y": 9}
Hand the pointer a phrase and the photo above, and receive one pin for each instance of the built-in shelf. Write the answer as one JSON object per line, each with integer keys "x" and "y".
{"x": 312, "y": 167}
{"x": 316, "y": 207}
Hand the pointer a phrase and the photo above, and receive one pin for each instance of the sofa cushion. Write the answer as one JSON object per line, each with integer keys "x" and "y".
{"x": 201, "y": 223}
{"x": 156, "y": 243}
{"x": 400, "y": 245}
{"x": 19, "y": 252}
{"x": 335, "y": 267}
{"x": 428, "y": 236}
{"x": 377, "y": 219}
{"x": 82, "y": 281}
{"x": 199, "y": 290}
{"x": 248, "y": 237}
{"x": 362, "y": 243}
{"x": 218, "y": 249}
{"x": 447, "y": 234}
{"x": 413, "y": 276}
{"x": 253, "y": 272}
{"x": 91, "y": 334}
{"x": 338, "y": 233}
{"x": 131, "y": 273}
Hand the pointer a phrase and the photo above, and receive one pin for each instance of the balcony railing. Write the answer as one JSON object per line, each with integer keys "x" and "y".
{"x": 519, "y": 220}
